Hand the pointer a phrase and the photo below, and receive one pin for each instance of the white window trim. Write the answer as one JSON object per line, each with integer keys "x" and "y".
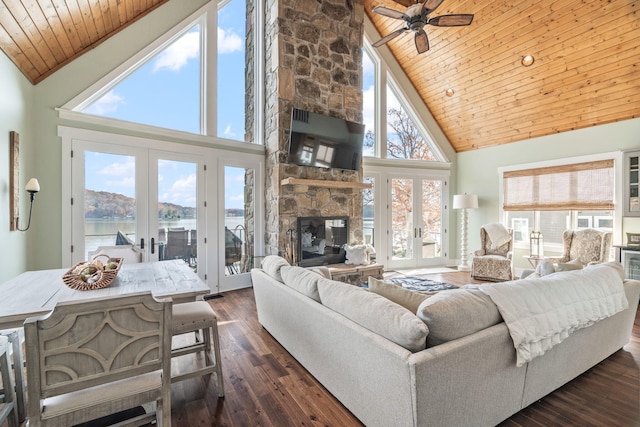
{"x": 407, "y": 95}
{"x": 207, "y": 17}
{"x": 616, "y": 156}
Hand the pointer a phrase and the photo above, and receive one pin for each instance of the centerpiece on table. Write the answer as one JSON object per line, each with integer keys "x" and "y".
{"x": 94, "y": 274}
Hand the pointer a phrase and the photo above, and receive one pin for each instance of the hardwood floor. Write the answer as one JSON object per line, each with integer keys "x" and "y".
{"x": 265, "y": 386}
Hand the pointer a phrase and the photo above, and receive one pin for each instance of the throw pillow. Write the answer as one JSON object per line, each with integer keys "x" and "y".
{"x": 271, "y": 264}
{"x": 321, "y": 270}
{"x": 406, "y": 298}
{"x": 357, "y": 255}
{"x": 302, "y": 280}
{"x": 545, "y": 266}
{"x": 569, "y": 266}
{"x": 375, "y": 313}
{"x": 456, "y": 313}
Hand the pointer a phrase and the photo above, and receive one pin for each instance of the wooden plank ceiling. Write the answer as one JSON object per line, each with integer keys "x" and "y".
{"x": 585, "y": 71}
{"x": 42, "y": 36}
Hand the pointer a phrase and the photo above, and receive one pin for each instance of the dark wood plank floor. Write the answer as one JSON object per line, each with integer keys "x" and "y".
{"x": 265, "y": 386}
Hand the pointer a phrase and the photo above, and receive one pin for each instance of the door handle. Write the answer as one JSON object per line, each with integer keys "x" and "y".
{"x": 142, "y": 243}
{"x": 153, "y": 246}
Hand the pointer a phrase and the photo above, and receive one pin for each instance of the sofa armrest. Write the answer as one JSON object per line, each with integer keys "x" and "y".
{"x": 480, "y": 252}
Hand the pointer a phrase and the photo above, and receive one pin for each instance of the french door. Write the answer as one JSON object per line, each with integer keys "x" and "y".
{"x": 153, "y": 194}
{"x": 148, "y": 198}
{"x": 416, "y": 221}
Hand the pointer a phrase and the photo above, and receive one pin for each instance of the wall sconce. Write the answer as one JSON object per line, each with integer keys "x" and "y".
{"x": 464, "y": 202}
{"x": 32, "y": 187}
{"x": 536, "y": 243}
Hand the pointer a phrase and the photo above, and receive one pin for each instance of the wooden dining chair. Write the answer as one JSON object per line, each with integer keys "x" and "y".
{"x": 92, "y": 358}
{"x": 198, "y": 317}
{"x": 16, "y": 341}
{"x": 9, "y": 408}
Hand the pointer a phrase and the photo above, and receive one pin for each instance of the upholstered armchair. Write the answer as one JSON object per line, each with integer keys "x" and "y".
{"x": 587, "y": 246}
{"x": 494, "y": 261}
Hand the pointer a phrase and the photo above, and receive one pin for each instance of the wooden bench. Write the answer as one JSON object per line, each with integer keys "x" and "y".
{"x": 355, "y": 274}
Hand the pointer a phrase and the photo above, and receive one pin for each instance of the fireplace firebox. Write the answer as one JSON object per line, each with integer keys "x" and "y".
{"x": 321, "y": 240}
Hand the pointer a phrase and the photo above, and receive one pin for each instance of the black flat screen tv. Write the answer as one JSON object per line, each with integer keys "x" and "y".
{"x": 323, "y": 141}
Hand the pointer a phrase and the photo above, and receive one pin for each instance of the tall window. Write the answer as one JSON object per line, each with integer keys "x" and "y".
{"x": 553, "y": 199}
{"x": 172, "y": 88}
{"x": 369, "y": 103}
{"x": 232, "y": 76}
{"x": 401, "y": 135}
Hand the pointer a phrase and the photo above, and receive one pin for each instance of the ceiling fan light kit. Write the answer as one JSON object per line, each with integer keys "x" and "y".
{"x": 416, "y": 17}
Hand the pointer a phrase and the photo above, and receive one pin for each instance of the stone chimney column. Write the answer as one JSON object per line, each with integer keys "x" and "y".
{"x": 313, "y": 55}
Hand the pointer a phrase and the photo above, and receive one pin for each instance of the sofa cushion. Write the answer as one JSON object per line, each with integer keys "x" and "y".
{"x": 302, "y": 280}
{"x": 271, "y": 264}
{"x": 322, "y": 270}
{"x": 375, "y": 313}
{"x": 569, "y": 266}
{"x": 455, "y": 313}
{"x": 396, "y": 293}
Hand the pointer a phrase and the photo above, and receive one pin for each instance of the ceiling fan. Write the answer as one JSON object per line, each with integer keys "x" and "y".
{"x": 416, "y": 17}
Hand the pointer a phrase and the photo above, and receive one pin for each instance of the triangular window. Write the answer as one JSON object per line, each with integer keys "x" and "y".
{"x": 172, "y": 84}
{"x": 163, "y": 92}
{"x": 404, "y": 138}
{"x": 393, "y": 128}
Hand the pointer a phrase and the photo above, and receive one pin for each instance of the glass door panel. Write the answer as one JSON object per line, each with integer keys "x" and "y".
{"x": 177, "y": 213}
{"x": 430, "y": 232}
{"x": 368, "y": 212}
{"x": 239, "y": 220}
{"x": 402, "y": 229}
{"x": 110, "y": 207}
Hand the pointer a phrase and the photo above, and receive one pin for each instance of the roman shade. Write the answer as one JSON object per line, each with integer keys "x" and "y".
{"x": 576, "y": 186}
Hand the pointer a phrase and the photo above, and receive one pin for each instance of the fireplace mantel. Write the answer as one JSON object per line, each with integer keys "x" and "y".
{"x": 325, "y": 183}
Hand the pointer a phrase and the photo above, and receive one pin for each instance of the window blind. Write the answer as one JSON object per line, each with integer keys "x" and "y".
{"x": 576, "y": 186}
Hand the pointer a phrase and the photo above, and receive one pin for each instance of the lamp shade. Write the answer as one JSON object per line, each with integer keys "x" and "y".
{"x": 465, "y": 201}
{"x": 33, "y": 185}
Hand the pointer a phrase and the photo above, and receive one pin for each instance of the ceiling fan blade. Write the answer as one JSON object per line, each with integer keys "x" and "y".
{"x": 389, "y": 37}
{"x": 431, "y": 5}
{"x": 422, "y": 41}
{"x": 391, "y": 13}
{"x": 456, "y": 20}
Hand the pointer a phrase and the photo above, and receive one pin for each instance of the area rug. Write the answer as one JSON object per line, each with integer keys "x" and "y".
{"x": 419, "y": 284}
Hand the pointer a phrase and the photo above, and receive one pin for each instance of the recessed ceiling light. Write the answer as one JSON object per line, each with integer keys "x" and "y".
{"x": 449, "y": 92}
{"x": 527, "y": 60}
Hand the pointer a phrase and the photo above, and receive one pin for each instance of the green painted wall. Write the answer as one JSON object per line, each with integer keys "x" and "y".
{"x": 16, "y": 106}
{"x": 478, "y": 169}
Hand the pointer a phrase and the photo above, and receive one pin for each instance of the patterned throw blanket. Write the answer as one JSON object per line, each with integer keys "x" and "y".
{"x": 420, "y": 284}
{"x": 541, "y": 313}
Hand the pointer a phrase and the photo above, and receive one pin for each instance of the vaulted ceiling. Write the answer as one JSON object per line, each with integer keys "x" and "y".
{"x": 585, "y": 69}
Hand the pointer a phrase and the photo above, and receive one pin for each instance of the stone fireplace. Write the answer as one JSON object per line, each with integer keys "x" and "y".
{"x": 313, "y": 56}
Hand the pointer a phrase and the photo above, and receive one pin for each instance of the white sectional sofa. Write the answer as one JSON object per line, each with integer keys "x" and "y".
{"x": 391, "y": 368}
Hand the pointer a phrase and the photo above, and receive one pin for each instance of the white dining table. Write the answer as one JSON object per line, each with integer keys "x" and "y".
{"x": 34, "y": 293}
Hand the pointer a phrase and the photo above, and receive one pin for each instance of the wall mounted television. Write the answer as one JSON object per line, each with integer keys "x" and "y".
{"x": 323, "y": 141}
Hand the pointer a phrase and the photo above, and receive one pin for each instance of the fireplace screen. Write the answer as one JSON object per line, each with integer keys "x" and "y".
{"x": 321, "y": 240}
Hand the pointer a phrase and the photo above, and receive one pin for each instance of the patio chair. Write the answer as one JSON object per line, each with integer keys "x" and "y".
{"x": 177, "y": 246}
{"x": 92, "y": 358}
{"x": 494, "y": 261}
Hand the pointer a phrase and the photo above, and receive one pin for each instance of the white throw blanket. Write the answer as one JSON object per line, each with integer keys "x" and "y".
{"x": 541, "y": 313}
{"x": 498, "y": 234}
